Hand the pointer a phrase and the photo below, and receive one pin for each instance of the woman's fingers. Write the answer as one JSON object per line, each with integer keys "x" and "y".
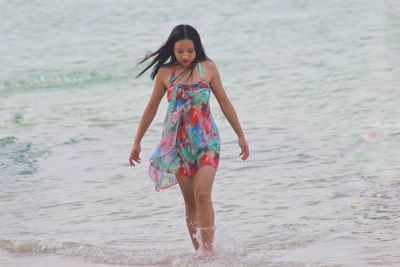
{"x": 244, "y": 148}
{"x": 245, "y": 152}
{"x": 131, "y": 161}
{"x": 134, "y": 157}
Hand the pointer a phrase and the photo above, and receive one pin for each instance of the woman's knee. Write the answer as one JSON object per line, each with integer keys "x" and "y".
{"x": 187, "y": 189}
{"x": 190, "y": 202}
{"x": 202, "y": 196}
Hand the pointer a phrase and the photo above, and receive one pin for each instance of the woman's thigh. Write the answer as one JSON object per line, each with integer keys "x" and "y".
{"x": 204, "y": 179}
{"x": 186, "y": 184}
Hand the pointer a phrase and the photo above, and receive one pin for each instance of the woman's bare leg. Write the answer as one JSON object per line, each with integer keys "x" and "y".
{"x": 187, "y": 187}
{"x": 203, "y": 182}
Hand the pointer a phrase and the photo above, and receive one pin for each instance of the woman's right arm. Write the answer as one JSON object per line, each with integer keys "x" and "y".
{"x": 148, "y": 115}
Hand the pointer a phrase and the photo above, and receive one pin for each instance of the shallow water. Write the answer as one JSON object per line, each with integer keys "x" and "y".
{"x": 315, "y": 85}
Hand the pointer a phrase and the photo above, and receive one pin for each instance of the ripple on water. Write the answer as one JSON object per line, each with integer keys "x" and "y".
{"x": 18, "y": 157}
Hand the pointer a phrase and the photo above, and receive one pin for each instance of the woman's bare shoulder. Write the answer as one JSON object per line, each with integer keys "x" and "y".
{"x": 211, "y": 68}
{"x": 210, "y": 65}
{"x": 208, "y": 62}
{"x": 164, "y": 71}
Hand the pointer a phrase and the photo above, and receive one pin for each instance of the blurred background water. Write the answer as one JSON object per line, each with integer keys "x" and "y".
{"x": 315, "y": 85}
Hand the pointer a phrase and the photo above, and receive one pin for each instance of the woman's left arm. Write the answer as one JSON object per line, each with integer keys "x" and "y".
{"x": 227, "y": 108}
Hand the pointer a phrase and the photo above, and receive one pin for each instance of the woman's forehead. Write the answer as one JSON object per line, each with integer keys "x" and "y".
{"x": 184, "y": 44}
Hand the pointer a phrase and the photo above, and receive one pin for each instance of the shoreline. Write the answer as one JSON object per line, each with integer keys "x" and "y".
{"x": 9, "y": 259}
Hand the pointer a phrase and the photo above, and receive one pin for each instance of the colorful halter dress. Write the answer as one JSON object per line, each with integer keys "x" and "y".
{"x": 190, "y": 138}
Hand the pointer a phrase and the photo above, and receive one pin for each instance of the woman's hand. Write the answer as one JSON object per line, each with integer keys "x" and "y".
{"x": 135, "y": 154}
{"x": 244, "y": 147}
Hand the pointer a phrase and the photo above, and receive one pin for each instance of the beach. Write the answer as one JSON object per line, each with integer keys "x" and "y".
{"x": 315, "y": 86}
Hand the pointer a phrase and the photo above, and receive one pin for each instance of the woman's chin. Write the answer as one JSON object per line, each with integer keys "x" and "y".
{"x": 185, "y": 63}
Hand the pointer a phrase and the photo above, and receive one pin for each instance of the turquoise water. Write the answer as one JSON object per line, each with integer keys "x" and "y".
{"x": 315, "y": 85}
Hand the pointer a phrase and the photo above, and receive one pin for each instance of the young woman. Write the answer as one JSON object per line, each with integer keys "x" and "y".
{"x": 188, "y": 153}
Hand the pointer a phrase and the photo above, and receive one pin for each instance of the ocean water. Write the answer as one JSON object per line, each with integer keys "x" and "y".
{"x": 316, "y": 88}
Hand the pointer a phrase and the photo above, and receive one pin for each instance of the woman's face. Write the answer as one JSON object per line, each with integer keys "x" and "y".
{"x": 184, "y": 51}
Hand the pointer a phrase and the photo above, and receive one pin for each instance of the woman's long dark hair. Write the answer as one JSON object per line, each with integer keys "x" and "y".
{"x": 166, "y": 51}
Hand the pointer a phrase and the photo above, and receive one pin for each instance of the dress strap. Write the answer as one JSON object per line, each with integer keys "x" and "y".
{"x": 173, "y": 76}
{"x": 200, "y": 70}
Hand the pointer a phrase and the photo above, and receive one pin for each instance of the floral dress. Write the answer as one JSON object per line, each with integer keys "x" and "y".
{"x": 190, "y": 138}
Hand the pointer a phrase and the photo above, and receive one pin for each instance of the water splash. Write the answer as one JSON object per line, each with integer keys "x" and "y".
{"x": 227, "y": 251}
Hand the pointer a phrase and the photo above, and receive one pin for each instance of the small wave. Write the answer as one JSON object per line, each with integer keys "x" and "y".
{"x": 77, "y": 140}
{"x": 116, "y": 256}
{"x": 229, "y": 252}
{"x": 92, "y": 253}
{"x": 49, "y": 81}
